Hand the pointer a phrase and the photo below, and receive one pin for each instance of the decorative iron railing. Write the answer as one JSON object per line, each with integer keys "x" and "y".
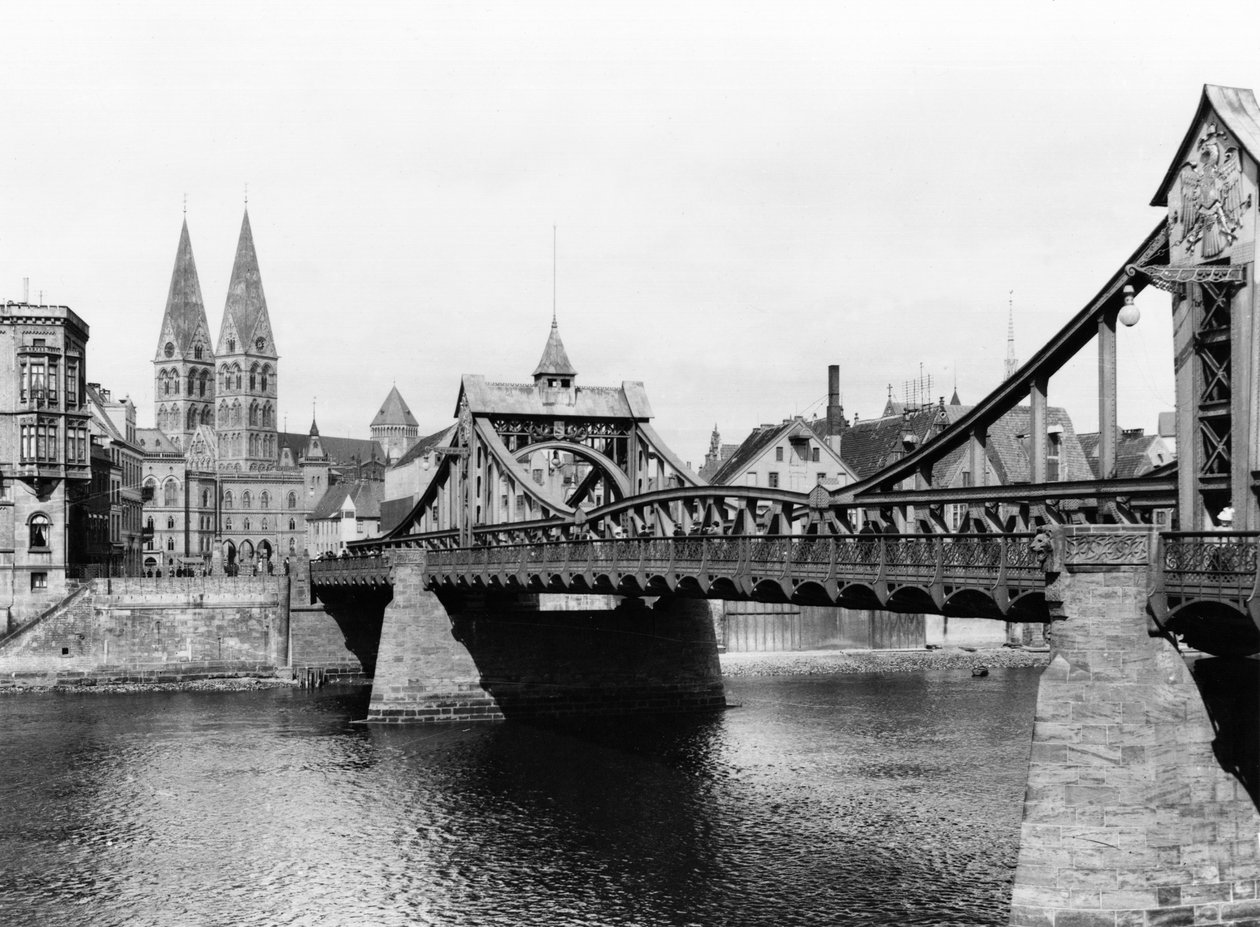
{"x": 1209, "y": 566}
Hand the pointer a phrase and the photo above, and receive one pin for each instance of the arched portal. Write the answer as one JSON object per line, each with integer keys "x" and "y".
{"x": 247, "y": 551}
{"x": 229, "y": 552}
{"x": 264, "y": 550}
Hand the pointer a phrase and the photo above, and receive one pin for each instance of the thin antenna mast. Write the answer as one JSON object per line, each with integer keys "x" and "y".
{"x": 1011, "y": 363}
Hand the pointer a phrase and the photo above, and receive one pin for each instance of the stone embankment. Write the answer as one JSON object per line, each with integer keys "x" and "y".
{"x": 824, "y": 662}
{"x": 216, "y": 684}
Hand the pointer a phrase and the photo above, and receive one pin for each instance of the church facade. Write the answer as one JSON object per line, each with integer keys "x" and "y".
{"x": 223, "y": 487}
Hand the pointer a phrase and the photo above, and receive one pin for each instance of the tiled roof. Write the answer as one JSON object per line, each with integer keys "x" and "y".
{"x": 555, "y": 360}
{"x": 340, "y": 451}
{"x": 757, "y": 441}
{"x": 424, "y": 445}
{"x": 1133, "y": 452}
{"x": 153, "y": 441}
{"x": 394, "y": 411}
{"x": 365, "y": 494}
{"x": 626, "y": 401}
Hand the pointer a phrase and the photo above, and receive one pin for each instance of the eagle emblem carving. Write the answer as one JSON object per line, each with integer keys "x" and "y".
{"x": 1211, "y": 203}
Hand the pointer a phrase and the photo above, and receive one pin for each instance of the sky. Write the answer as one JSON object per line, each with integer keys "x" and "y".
{"x": 717, "y": 199}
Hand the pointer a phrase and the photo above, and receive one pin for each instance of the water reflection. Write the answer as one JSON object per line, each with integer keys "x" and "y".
{"x": 823, "y": 800}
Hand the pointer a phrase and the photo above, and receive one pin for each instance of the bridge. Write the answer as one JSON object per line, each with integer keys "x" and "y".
{"x": 1144, "y": 776}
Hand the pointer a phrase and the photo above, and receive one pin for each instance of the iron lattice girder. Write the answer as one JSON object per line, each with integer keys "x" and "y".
{"x": 1161, "y": 490}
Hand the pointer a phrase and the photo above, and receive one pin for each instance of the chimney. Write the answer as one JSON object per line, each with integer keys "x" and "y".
{"x": 26, "y": 290}
{"x": 835, "y": 412}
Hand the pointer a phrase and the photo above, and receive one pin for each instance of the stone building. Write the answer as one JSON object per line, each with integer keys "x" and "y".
{"x": 115, "y": 504}
{"x": 223, "y": 487}
{"x": 44, "y": 436}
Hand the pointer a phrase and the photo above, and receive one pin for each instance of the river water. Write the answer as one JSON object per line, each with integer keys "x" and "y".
{"x": 837, "y": 800}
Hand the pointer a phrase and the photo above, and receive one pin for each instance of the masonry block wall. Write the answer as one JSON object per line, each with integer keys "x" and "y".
{"x": 470, "y": 656}
{"x": 423, "y": 673}
{"x": 339, "y": 633}
{"x": 118, "y": 630}
{"x": 1130, "y": 820}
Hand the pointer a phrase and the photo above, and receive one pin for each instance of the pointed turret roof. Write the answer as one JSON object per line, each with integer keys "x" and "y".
{"x": 185, "y": 312}
{"x": 555, "y": 361}
{"x": 394, "y": 411}
{"x": 246, "y": 308}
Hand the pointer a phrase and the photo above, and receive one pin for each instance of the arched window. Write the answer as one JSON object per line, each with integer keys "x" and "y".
{"x": 207, "y": 416}
{"x": 292, "y": 500}
{"x": 253, "y": 413}
{"x": 201, "y": 382}
{"x": 148, "y": 522}
{"x": 192, "y": 382}
{"x": 220, "y": 375}
{"x": 236, "y": 412}
{"x": 231, "y": 345}
{"x": 264, "y": 500}
{"x": 197, "y": 352}
{"x": 227, "y": 524}
{"x": 292, "y": 545}
{"x": 170, "y": 543}
{"x": 227, "y": 499}
{"x": 237, "y": 368}
{"x": 253, "y": 378}
{"x": 170, "y": 522}
{"x": 292, "y": 524}
{"x": 244, "y": 524}
{"x": 265, "y": 525}
{"x": 223, "y": 412}
{"x": 266, "y": 372}
{"x": 253, "y": 444}
{"x": 192, "y": 419}
{"x": 170, "y": 493}
{"x": 245, "y": 499}
{"x": 40, "y": 530}
{"x": 205, "y": 498}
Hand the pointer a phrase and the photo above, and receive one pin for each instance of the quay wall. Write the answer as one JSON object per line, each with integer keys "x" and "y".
{"x": 175, "y": 628}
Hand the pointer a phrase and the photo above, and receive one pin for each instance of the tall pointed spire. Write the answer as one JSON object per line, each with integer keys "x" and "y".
{"x": 245, "y": 313}
{"x": 185, "y": 312}
{"x": 1012, "y": 364}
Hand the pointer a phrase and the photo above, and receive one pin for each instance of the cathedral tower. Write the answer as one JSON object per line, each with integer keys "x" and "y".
{"x": 247, "y": 366}
{"x": 184, "y": 365}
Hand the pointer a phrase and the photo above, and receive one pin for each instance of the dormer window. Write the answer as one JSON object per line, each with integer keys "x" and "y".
{"x": 231, "y": 345}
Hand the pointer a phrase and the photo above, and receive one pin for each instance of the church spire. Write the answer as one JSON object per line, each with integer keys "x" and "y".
{"x": 185, "y": 313}
{"x": 245, "y": 317}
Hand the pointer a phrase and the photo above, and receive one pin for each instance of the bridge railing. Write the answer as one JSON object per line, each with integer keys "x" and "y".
{"x": 1211, "y": 566}
{"x": 982, "y": 561}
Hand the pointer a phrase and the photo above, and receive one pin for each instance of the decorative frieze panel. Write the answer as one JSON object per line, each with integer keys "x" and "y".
{"x": 1209, "y": 198}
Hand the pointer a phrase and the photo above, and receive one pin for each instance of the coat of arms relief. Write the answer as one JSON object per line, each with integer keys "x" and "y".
{"x": 1208, "y": 207}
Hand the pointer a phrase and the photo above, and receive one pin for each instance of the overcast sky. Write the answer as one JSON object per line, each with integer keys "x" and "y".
{"x": 744, "y": 193}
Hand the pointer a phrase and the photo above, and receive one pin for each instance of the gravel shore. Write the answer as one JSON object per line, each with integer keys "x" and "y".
{"x": 823, "y": 662}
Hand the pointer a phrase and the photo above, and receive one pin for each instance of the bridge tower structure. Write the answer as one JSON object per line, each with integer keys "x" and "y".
{"x": 543, "y": 451}
{"x": 1210, "y": 193}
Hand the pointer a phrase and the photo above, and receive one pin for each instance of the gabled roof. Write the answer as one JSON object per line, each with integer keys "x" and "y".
{"x": 1133, "y": 452}
{"x": 340, "y": 451}
{"x": 365, "y": 495}
{"x": 555, "y": 360}
{"x": 869, "y": 446}
{"x": 153, "y": 441}
{"x": 185, "y": 313}
{"x": 424, "y": 445}
{"x": 246, "y": 309}
{"x": 1236, "y": 107}
{"x": 394, "y": 411}
{"x": 759, "y": 442}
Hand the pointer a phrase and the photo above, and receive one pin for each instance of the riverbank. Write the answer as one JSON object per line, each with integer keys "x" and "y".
{"x": 216, "y": 684}
{"x": 825, "y": 662}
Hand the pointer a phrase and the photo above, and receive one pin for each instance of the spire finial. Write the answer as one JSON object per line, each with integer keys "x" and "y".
{"x": 553, "y": 276}
{"x": 247, "y": 194}
{"x": 185, "y": 205}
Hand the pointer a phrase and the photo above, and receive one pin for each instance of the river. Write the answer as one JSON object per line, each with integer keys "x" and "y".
{"x": 831, "y": 800}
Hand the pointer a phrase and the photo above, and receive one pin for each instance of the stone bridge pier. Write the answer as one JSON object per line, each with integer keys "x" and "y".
{"x": 485, "y": 655}
{"x": 1140, "y": 803}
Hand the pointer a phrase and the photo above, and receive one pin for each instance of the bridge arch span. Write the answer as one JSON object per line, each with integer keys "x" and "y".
{"x": 605, "y": 463}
